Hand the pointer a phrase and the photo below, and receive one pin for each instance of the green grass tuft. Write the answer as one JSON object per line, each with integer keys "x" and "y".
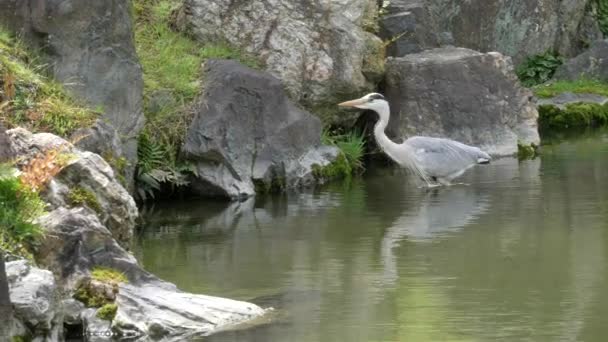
{"x": 350, "y": 160}
{"x": 107, "y": 312}
{"x": 581, "y": 86}
{"x": 83, "y": 197}
{"x": 19, "y": 207}
{"x": 29, "y": 98}
{"x": 105, "y": 274}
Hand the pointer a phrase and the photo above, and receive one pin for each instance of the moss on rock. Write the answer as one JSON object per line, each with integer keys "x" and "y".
{"x": 574, "y": 115}
{"x": 339, "y": 168}
{"x": 525, "y": 151}
{"x": 80, "y": 196}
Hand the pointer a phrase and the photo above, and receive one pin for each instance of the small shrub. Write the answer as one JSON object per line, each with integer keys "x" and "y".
{"x": 538, "y": 69}
{"x": 107, "y": 312}
{"x": 525, "y": 151}
{"x": 83, "y": 197}
{"x": 38, "y": 171}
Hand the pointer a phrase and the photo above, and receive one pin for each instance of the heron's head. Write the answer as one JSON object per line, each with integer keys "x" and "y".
{"x": 373, "y": 101}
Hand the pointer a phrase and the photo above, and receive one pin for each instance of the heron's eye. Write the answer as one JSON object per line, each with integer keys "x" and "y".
{"x": 370, "y": 100}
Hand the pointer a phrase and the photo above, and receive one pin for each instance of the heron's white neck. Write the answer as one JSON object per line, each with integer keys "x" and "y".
{"x": 387, "y": 145}
{"x": 403, "y": 154}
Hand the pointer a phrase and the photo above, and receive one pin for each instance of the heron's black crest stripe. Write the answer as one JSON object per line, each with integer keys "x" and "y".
{"x": 376, "y": 97}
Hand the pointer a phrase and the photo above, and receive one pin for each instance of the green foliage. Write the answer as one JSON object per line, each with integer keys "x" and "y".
{"x": 80, "y": 196}
{"x": 20, "y": 339}
{"x": 602, "y": 15}
{"x": 19, "y": 207}
{"x": 153, "y": 168}
{"x": 108, "y": 275}
{"x": 573, "y": 115}
{"x": 581, "y": 86}
{"x": 28, "y": 98}
{"x": 107, "y": 312}
{"x": 538, "y": 69}
{"x": 350, "y": 160}
{"x": 171, "y": 63}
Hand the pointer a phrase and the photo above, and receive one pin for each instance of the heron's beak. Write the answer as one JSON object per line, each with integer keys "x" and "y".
{"x": 352, "y": 103}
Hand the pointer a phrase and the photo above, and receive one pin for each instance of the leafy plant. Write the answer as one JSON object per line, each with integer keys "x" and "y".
{"x": 538, "y": 69}
{"x": 19, "y": 207}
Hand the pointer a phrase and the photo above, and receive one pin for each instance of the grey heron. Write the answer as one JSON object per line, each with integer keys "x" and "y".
{"x": 437, "y": 161}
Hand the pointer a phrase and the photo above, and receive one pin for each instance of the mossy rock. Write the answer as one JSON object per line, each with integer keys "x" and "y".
{"x": 574, "y": 115}
{"x": 276, "y": 185}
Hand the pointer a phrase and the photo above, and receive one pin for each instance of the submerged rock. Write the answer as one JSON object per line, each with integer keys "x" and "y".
{"x": 246, "y": 132}
{"x": 34, "y": 296}
{"x": 592, "y": 64}
{"x": 319, "y": 49}
{"x": 86, "y": 180}
{"x": 517, "y": 28}
{"x": 461, "y": 94}
{"x": 91, "y": 50}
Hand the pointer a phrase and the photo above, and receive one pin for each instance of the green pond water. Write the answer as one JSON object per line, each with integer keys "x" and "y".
{"x": 519, "y": 252}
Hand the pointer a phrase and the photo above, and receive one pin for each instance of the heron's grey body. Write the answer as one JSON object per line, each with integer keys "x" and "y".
{"x": 434, "y": 160}
{"x": 443, "y": 159}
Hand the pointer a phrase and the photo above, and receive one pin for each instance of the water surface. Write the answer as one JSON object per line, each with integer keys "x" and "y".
{"x": 519, "y": 253}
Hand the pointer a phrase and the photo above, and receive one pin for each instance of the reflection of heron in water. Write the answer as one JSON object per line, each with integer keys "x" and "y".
{"x": 435, "y": 160}
{"x": 439, "y": 211}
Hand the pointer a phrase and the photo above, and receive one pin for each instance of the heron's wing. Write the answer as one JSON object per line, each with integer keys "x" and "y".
{"x": 445, "y": 158}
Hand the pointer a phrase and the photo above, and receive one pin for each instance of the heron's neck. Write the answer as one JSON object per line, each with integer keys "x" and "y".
{"x": 383, "y": 141}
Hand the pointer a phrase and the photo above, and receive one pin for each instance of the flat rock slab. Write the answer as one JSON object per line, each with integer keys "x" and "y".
{"x": 564, "y": 99}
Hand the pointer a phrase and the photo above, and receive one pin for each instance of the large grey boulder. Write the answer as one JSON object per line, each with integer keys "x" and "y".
{"x": 516, "y": 28}
{"x": 84, "y": 173}
{"x": 246, "y": 132}
{"x": 319, "y": 49}
{"x": 592, "y": 64}
{"x": 90, "y": 48}
{"x": 34, "y": 296}
{"x": 461, "y": 94}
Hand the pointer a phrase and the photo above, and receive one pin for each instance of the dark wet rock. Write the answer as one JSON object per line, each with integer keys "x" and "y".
{"x": 461, "y": 94}
{"x": 85, "y": 171}
{"x": 318, "y": 49}
{"x": 592, "y": 64}
{"x": 89, "y": 45}
{"x": 33, "y": 294}
{"x": 246, "y": 132}
{"x": 516, "y": 28}
{"x": 564, "y": 99}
